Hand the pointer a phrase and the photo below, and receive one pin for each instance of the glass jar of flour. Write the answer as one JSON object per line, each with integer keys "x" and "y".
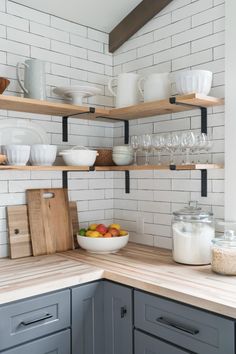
{"x": 193, "y": 230}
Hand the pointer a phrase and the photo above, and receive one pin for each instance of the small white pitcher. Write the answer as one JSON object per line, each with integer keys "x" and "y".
{"x": 156, "y": 87}
{"x": 34, "y": 79}
{"x": 127, "y": 89}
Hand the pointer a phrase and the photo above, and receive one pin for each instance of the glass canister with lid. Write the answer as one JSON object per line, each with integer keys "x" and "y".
{"x": 193, "y": 230}
{"x": 224, "y": 254}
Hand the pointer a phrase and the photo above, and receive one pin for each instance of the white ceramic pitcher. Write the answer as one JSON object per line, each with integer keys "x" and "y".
{"x": 127, "y": 89}
{"x": 34, "y": 85}
{"x": 156, "y": 87}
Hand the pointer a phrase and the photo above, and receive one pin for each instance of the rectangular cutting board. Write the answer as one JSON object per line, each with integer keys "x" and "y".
{"x": 49, "y": 220}
{"x": 19, "y": 232}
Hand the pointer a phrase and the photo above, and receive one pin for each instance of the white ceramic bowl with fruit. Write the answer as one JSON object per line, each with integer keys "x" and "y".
{"x": 103, "y": 239}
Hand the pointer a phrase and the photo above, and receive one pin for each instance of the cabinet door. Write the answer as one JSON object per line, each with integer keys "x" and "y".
{"x": 118, "y": 319}
{"x": 55, "y": 344}
{"x": 145, "y": 344}
{"x": 88, "y": 319}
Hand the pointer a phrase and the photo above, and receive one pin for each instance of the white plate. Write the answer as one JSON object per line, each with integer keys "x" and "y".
{"x": 84, "y": 91}
{"x": 21, "y": 132}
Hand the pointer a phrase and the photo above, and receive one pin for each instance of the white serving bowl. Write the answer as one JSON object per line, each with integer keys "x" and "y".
{"x": 17, "y": 155}
{"x": 79, "y": 156}
{"x": 43, "y": 155}
{"x": 123, "y": 149}
{"x": 122, "y": 159}
{"x": 193, "y": 81}
{"x": 102, "y": 245}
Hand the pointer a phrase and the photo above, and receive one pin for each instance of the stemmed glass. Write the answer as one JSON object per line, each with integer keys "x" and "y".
{"x": 208, "y": 144}
{"x": 146, "y": 144}
{"x": 187, "y": 142}
{"x": 136, "y": 145}
{"x": 158, "y": 143}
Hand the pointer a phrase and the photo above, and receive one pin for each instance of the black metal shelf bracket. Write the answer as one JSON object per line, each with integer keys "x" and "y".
{"x": 65, "y": 179}
{"x": 173, "y": 100}
{"x": 65, "y": 122}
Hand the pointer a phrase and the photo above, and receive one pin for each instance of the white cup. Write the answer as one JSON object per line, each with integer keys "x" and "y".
{"x": 156, "y": 87}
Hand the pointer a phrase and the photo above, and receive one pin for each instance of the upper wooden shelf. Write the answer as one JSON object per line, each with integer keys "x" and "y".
{"x": 29, "y": 105}
{"x": 147, "y": 109}
{"x": 113, "y": 168}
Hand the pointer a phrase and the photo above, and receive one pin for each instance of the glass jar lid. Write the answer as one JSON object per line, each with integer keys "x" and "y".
{"x": 227, "y": 240}
{"x": 192, "y": 212}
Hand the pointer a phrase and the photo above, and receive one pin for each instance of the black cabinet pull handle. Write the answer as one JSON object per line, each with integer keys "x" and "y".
{"x": 37, "y": 319}
{"x": 123, "y": 311}
{"x": 176, "y": 325}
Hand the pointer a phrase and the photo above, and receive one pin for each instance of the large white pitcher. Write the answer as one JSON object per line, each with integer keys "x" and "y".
{"x": 156, "y": 87}
{"x": 127, "y": 89}
{"x": 34, "y": 85}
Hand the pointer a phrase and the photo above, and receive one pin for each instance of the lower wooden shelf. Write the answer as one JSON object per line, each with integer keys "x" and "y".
{"x": 115, "y": 168}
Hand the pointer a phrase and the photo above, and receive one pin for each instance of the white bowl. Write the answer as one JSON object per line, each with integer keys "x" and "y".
{"x": 43, "y": 155}
{"x": 79, "y": 156}
{"x": 123, "y": 149}
{"x": 193, "y": 81}
{"x": 101, "y": 244}
{"x": 17, "y": 155}
{"x": 122, "y": 159}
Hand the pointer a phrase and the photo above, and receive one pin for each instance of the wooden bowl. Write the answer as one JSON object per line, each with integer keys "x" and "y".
{"x": 4, "y": 83}
{"x": 3, "y": 159}
{"x": 104, "y": 158}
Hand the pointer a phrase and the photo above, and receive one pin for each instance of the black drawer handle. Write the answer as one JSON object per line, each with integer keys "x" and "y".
{"x": 176, "y": 325}
{"x": 123, "y": 311}
{"x": 37, "y": 319}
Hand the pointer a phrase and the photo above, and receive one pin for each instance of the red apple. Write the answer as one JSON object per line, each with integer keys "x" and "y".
{"x": 102, "y": 229}
{"x": 114, "y": 232}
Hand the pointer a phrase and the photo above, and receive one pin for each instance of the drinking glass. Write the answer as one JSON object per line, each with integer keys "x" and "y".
{"x": 158, "y": 144}
{"x": 172, "y": 142}
{"x": 208, "y": 144}
{"x": 187, "y": 142}
{"x": 146, "y": 144}
{"x": 136, "y": 144}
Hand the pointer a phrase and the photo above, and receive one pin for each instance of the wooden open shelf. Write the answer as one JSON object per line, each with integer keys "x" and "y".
{"x": 156, "y": 108}
{"x": 113, "y": 168}
{"x": 147, "y": 109}
{"x": 29, "y": 105}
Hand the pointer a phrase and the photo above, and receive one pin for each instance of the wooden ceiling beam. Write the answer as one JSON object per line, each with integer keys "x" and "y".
{"x": 135, "y": 20}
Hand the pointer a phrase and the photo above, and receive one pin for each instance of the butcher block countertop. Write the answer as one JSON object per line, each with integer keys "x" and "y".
{"x": 142, "y": 267}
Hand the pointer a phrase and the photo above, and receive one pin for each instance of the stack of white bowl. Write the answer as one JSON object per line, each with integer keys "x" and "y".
{"x": 122, "y": 155}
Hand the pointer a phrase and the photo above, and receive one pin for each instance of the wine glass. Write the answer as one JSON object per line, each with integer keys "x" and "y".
{"x": 172, "y": 141}
{"x": 146, "y": 144}
{"x": 187, "y": 142}
{"x": 208, "y": 144}
{"x": 136, "y": 144}
{"x": 158, "y": 144}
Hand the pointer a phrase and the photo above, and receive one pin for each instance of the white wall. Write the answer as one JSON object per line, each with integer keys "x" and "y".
{"x": 230, "y": 112}
{"x": 186, "y": 34}
{"x": 74, "y": 54}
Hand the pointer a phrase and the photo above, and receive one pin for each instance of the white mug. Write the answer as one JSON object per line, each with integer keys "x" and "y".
{"x": 34, "y": 85}
{"x": 156, "y": 87}
{"x": 127, "y": 89}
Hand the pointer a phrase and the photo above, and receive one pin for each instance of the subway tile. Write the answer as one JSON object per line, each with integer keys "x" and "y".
{"x": 27, "y": 13}
{"x": 50, "y": 56}
{"x": 154, "y": 47}
{"x": 49, "y": 32}
{"x": 214, "y": 40}
{"x": 68, "y": 49}
{"x": 68, "y": 26}
{"x": 192, "y": 59}
{"x": 87, "y": 65}
{"x": 86, "y": 43}
{"x": 138, "y": 64}
{"x": 172, "y": 29}
{"x": 99, "y": 58}
{"x": 192, "y": 34}
{"x": 98, "y": 35}
{"x": 211, "y": 14}
{"x": 172, "y": 53}
{"x": 14, "y": 47}
{"x": 191, "y": 9}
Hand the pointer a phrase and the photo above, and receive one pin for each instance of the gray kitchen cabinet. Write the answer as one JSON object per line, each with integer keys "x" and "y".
{"x": 187, "y": 327}
{"x": 26, "y": 320}
{"x": 88, "y": 319}
{"x": 145, "y": 344}
{"x": 118, "y": 319}
{"x": 58, "y": 343}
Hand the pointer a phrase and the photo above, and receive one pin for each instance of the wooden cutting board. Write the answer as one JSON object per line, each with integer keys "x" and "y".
{"x": 19, "y": 232}
{"x": 49, "y": 220}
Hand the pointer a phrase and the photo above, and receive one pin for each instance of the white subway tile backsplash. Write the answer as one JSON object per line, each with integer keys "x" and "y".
{"x": 191, "y": 9}
{"x": 50, "y": 56}
{"x": 172, "y": 29}
{"x": 154, "y": 47}
{"x": 214, "y": 40}
{"x": 192, "y": 34}
{"x": 100, "y": 58}
{"x": 49, "y": 32}
{"x": 14, "y": 47}
{"x": 68, "y": 26}
{"x": 98, "y": 35}
{"x": 172, "y": 53}
{"x": 213, "y": 13}
{"x": 86, "y": 43}
{"x": 87, "y": 65}
{"x": 27, "y": 13}
{"x": 192, "y": 59}
{"x": 68, "y": 49}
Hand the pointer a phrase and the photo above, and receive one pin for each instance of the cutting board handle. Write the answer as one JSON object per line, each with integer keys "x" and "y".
{"x": 48, "y": 195}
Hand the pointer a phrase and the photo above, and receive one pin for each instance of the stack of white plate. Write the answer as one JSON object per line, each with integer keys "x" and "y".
{"x": 122, "y": 155}
{"x": 77, "y": 92}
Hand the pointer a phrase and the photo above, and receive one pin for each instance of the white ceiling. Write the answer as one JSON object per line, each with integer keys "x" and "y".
{"x": 103, "y": 15}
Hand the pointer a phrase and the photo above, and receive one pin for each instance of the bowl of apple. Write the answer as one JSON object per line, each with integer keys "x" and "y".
{"x": 99, "y": 238}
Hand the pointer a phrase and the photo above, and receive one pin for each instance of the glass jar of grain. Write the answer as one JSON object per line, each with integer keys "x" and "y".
{"x": 224, "y": 254}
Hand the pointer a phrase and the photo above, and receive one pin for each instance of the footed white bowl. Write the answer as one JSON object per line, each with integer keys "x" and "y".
{"x": 43, "y": 155}
{"x": 102, "y": 245}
